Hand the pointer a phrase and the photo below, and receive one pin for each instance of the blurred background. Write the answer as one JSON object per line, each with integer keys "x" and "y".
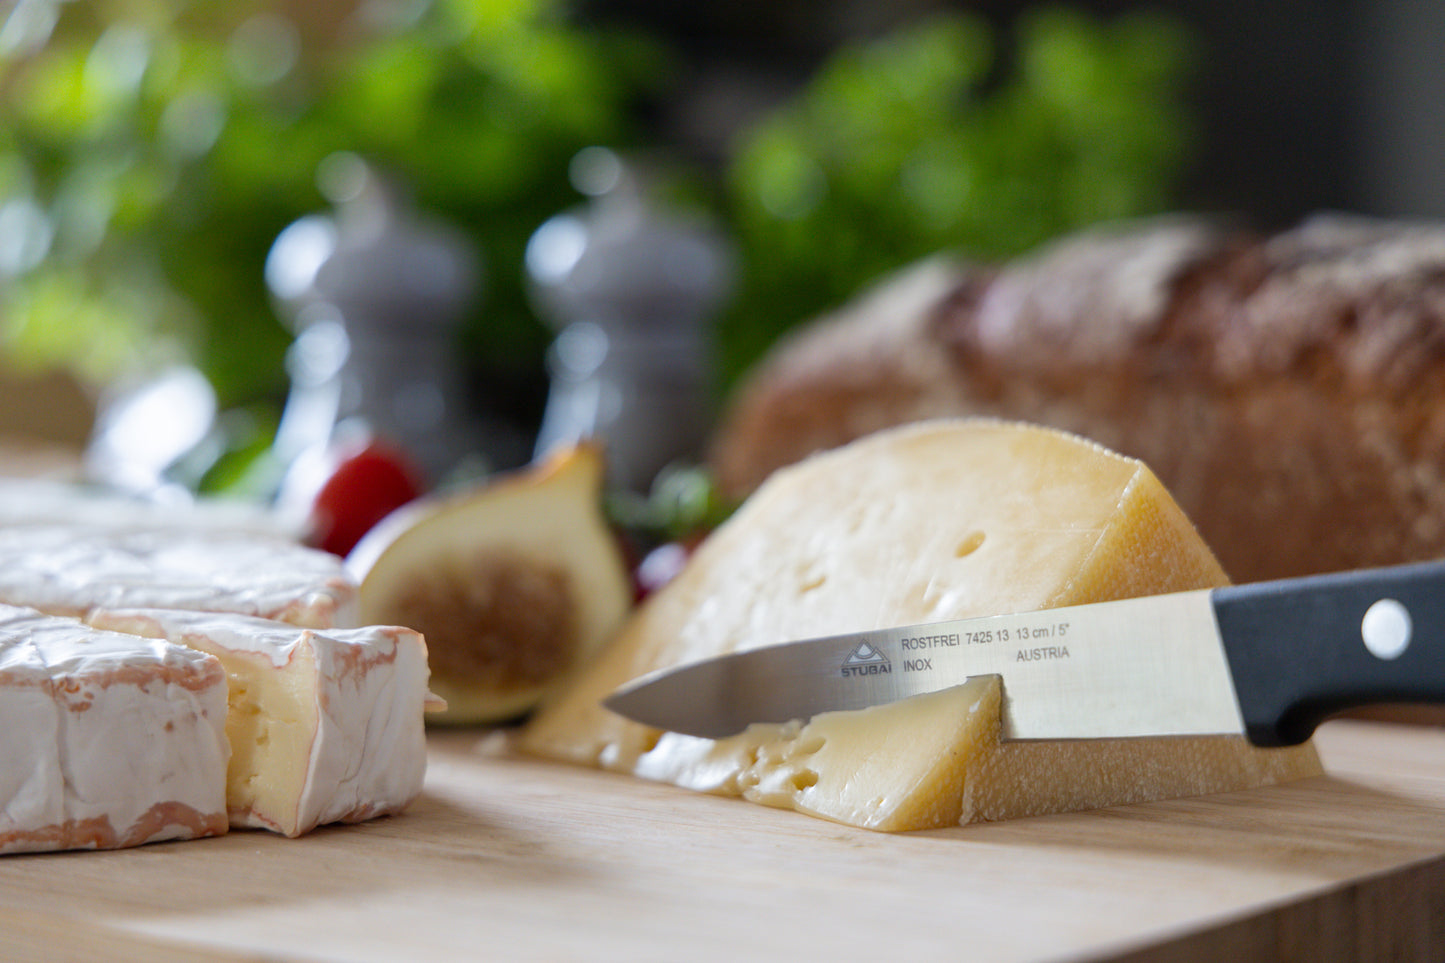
{"x": 230, "y": 230}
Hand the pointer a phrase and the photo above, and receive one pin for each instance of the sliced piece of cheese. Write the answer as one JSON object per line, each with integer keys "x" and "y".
{"x": 324, "y": 726}
{"x": 899, "y": 766}
{"x": 68, "y": 569}
{"x": 109, "y": 741}
{"x": 934, "y": 521}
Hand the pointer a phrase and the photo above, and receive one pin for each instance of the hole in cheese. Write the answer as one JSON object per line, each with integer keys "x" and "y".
{"x": 969, "y": 544}
{"x": 804, "y": 779}
{"x": 811, "y": 582}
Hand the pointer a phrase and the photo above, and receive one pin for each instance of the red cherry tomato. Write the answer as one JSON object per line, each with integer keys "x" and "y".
{"x": 363, "y": 489}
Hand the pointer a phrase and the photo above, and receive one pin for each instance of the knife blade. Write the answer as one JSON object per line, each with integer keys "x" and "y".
{"x": 1270, "y": 660}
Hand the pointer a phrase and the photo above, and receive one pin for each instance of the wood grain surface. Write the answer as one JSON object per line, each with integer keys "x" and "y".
{"x": 507, "y": 858}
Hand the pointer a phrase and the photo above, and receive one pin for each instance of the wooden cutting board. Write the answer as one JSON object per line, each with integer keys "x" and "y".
{"x": 517, "y": 859}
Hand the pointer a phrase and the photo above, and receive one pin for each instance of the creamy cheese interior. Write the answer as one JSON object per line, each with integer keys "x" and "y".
{"x": 271, "y": 722}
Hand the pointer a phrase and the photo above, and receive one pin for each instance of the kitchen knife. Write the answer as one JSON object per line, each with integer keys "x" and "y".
{"x": 1271, "y": 660}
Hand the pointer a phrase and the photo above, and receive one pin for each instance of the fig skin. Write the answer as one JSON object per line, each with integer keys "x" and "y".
{"x": 513, "y": 582}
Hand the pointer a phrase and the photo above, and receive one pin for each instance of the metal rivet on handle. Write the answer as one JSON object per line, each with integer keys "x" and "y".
{"x": 1386, "y": 629}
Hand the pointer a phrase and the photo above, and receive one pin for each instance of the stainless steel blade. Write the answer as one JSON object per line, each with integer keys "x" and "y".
{"x": 1136, "y": 667}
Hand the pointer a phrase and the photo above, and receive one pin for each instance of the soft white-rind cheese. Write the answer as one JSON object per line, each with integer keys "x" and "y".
{"x": 44, "y": 501}
{"x": 325, "y": 726}
{"x": 109, "y": 741}
{"x": 71, "y": 569}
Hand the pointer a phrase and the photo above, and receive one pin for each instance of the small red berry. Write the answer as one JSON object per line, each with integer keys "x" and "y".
{"x": 364, "y": 488}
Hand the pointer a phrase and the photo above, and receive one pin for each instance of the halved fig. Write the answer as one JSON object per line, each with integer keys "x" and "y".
{"x": 512, "y": 583}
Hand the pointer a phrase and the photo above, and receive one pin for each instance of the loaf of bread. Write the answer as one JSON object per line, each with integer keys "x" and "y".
{"x": 1289, "y": 390}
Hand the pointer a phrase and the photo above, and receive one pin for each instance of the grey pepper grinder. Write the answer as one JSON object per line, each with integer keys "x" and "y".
{"x": 375, "y": 293}
{"x": 630, "y": 289}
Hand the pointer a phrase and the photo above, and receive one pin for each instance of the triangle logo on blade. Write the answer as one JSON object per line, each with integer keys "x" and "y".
{"x": 865, "y": 654}
{"x": 866, "y": 660}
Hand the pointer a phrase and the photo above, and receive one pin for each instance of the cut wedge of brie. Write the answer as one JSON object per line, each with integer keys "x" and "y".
{"x": 324, "y": 727}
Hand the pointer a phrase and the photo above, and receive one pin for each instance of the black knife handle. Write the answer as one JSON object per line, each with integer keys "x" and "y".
{"x": 1303, "y": 649}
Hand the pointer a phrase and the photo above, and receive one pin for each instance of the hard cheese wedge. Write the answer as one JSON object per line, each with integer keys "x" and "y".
{"x": 324, "y": 727}
{"x": 934, "y": 521}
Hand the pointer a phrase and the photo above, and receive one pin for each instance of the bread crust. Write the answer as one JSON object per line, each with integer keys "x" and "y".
{"x": 1286, "y": 388}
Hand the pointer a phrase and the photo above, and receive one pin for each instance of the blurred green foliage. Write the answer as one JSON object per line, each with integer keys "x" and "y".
{"x": 155, "y": 148}
{"x": 151, "y": 151}
{"x": 948, "y": 136}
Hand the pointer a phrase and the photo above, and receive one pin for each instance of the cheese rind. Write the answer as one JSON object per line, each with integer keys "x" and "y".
{"x": 934, "y": 521}
{"x": 324, "y": 726}
{"x": 69, "y": 569}
{"x": 109, "y": 741}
